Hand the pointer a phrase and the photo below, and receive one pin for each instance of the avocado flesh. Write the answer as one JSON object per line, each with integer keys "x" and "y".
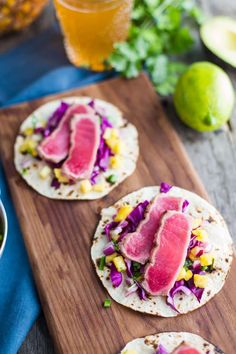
{"x": 219, "y": 36}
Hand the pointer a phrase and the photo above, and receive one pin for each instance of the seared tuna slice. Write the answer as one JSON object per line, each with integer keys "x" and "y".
{"x": 137, "y": 245}
{"x": 85, "y": 136}
{"x": 168, "y": 254}
{"x": 55, "y": 147}
{"x": 185, "y": 349}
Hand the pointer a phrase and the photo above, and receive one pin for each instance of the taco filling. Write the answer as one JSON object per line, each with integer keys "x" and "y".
{"x": 156, "y": 248}
{"x": 77, "y": 145}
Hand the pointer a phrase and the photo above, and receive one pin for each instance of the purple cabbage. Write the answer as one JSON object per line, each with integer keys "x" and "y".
{"x": 116, "y": 277}
{"x": 53, "y": 120}
{"x": 141, "y": 292}
{"x": 179, "y": 286}
{"x": 55, "y": 183}
{"x": 109, "y": 249}
{"x": 185, "y": 205}
{"x": 131, "y": 222}
{"x": 198, "y": 292}
{"x": 132, "y": 289}
{"x": 165, "y": 187}
{"x": 110, "y": 226}
{"x": 128, "y": 267}
{"x": 104, "y": 152}
{"x": 161, "y": 350}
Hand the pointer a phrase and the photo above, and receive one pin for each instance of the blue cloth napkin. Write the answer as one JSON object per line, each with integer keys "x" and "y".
{"x": 36, "y": 68}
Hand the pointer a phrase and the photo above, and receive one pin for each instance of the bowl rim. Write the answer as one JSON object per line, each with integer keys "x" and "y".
{"x": 5, "y": 226}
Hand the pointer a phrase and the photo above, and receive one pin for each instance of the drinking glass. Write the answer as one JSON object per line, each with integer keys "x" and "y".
{"x": 91, "y": 27}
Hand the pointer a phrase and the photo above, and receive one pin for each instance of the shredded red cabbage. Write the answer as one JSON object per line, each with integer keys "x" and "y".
{"x": 128, "y": 267}
{"x": 132, "y": 289}
{"x": 185, "y": 205}
{"x": 179, "y": 286}
{"x": 55, "y": 183}
{"x": 53, "y": 120}
{"x": 161, "y": 350}
{"x": 104, "y": 152}
{"x": 130, "y": 224}
{"x": 134, "y": 218}
{"x": 198, "y": 292}
{"x": 141, "y": 292}
{"x": 109, "y": 249}
{"x": 165, "y": 187}
{"x": 116, "y": 277}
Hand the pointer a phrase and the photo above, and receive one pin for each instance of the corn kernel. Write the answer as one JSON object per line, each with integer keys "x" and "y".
{"x": 85, "y": 186}
{"x": 59, "y": 176}
{"x": 196, "y": 223}
{"x": 130, "y": 351}
{"x": 99, "y": 187}
{"x": 182, "y": 274}
{"x": 200, "y": 281}
{"x": 188, "y": 275}
{"x": 110, "y": 258}
{"x": 119, "y": 263}
{"x": 28, "y": 131}
{"x": 201, "y": 235}
{"x": 123, "y": 212}
{"x": 44, "y": 172}
{"x": 115, "y": 162}
{"x": 206, "y": 259}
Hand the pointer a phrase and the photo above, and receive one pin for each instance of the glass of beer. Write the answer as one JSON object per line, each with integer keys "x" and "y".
{"x": 91, "y": 27}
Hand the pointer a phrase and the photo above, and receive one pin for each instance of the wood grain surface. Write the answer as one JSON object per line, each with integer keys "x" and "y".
{"x": 58, "y": 234}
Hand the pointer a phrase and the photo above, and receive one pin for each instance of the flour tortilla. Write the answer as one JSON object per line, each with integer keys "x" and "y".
{"x": 128, "y": 134}
{"x": 170, "y": 341}
{"x": 219, "y": 237}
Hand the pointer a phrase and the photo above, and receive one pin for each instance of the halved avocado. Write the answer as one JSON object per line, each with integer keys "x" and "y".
{"x": 218, "y": 34}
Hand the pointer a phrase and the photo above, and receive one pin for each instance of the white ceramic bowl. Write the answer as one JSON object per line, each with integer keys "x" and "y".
{"x": 3, "y": 221}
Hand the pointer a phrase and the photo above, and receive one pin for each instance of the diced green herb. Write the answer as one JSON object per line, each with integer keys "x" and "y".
{"x": 158, "y": 34}
{"x": 188, "y": 263}
{"x": 209, "y": 268}
{"x": 24, "y": 171}
{"x": 112, "y": 179}
{"x": 205, "y": 268}
{"x": 116, "y": 246}
{"x": 107, "y": 303}
{"x": 136, "y": 266}
{"x": 102, "y": 263}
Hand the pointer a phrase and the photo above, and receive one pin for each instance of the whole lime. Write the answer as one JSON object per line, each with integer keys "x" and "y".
{"x": 204, "y": 97}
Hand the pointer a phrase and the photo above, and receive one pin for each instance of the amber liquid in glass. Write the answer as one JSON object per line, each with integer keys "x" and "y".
{"x": 91, "y": 27}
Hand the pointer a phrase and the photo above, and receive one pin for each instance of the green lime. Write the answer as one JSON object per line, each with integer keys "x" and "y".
{"x": 204, "y": 97}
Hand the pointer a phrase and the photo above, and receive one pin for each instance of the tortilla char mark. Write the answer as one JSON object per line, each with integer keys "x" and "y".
{"x": 168, "y": 254}
{"x": 85, "y": 135}
{"x": 137, "y": 245}
{"x": 185, "y": 349}
{"x": 55, "y": 147}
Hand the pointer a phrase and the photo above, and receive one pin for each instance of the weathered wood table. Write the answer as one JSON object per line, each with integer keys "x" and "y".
{"x": 213, "y": 155}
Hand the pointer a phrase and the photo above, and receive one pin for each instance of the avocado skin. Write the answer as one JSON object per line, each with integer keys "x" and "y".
{"x": 215, "y": 59}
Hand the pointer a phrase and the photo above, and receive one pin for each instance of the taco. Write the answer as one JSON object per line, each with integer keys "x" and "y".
{"x": 171, "y": 343}
{"x": 76, "y": 148}
{"x": 162, "y": 250}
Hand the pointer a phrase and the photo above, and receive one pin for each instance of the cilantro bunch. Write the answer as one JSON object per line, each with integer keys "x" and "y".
{"x": 161, "y": 30}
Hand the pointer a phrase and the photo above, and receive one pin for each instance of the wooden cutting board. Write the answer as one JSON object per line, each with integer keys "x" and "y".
{"x": 58, "y": 234}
